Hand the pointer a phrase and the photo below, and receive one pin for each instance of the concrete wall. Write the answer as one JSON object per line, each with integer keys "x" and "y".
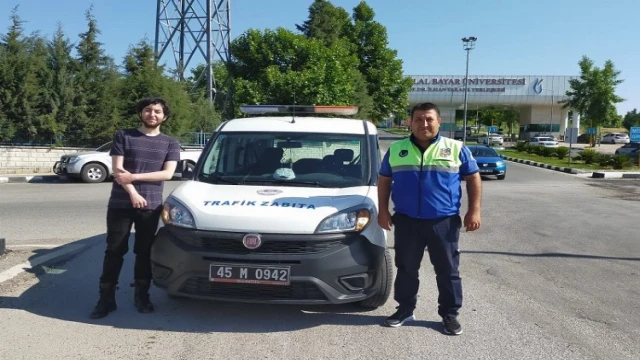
{"x": 31, "y": 159}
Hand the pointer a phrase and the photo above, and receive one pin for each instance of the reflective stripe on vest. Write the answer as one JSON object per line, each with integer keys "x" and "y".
{"x": 441, "y": 156}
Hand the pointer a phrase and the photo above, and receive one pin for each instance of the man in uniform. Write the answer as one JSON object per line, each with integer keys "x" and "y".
{"x": 423, "y": 175}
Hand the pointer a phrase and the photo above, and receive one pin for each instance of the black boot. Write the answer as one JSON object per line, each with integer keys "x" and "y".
{"x": 107, "y": 301}
{"x": 141, "y": 296}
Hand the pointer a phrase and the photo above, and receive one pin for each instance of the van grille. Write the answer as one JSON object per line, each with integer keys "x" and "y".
{"x": 231, "y": 242}
{"x": 201, "y": 286}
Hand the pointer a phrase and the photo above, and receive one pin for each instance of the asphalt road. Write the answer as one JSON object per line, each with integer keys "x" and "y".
{"x": 553, "y": 273}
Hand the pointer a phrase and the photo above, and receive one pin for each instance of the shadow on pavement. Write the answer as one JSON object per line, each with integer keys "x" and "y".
{"x": 68, "y": 289}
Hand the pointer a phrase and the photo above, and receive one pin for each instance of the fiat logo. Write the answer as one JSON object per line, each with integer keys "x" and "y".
{"x": 251, "y": 241}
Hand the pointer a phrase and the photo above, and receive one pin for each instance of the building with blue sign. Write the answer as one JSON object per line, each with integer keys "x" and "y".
{"x": 538, "y": 99}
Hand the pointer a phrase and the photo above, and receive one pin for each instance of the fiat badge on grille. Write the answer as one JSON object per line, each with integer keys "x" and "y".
{"x": 252, "y": 241}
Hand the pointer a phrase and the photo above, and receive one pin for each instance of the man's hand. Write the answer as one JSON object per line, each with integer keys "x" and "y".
{"x": 137, "y": 200}
{"x": 384, "y": 219}
{"x": 123, "y": 177}
{"x": 472, "y": 220}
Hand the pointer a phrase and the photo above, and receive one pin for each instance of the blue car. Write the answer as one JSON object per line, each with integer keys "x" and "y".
{"x": 489, "y": 161}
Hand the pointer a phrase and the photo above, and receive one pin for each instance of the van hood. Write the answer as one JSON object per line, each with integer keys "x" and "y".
{"x": 267, "y": 209}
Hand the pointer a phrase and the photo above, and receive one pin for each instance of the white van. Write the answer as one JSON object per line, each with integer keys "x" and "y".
{"x": 279, "y": 209}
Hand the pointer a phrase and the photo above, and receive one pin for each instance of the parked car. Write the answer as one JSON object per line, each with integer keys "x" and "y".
{"x": 491, "y": 139}
{"x": 95, "y": 166}
{"x": 553, "y": 137}
{"x": 280, "y": 209}
{"x": 543, "y": 141}
{"x": 628, "y": 149}
{"x": 489, "y": 161}
{"x": 615, "y": 138}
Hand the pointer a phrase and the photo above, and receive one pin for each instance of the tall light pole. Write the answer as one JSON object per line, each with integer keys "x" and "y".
{"x": 468, "y": 43}
{"x": 552, "y": 103}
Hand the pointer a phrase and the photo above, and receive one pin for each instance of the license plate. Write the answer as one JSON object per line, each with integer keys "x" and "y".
{"x": 242, "y": 274}
{"x": 486, "y": 170}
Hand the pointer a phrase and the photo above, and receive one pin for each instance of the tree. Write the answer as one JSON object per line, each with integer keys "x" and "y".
{"x": 57, "y": 104}
{"x": 382, "y": 70}
{"x": 593, "y": 94}
{"x": 20, "y": 71}
{"x": 326, "y": 23}
{"x": 97, "y": 93}
{"x": 631, "y": 119}
{"x": 280, "y": 67}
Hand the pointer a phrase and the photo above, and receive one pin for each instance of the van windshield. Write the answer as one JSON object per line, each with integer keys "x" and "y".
{"x": 287, "y": 159}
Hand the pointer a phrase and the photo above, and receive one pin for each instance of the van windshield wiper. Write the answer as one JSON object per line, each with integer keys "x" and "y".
{"x": 219, "y": 179}
{"x": 299, "y": 182}
{"x": 282, "y": 181}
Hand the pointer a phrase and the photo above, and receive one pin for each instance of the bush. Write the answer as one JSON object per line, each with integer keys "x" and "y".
{"x": 621, "y": 162}
{"x": 547, "y": 152}
{"x": 588, "y": 155}
{"x": 521, "y": 146}
{"x": 561, "y": 152}
{"x": 604, "y": 160}
{"x": 530, "y": 149}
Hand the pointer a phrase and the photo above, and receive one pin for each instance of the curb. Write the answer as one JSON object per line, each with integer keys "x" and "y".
{"x": 65, "y": 252}
{"x": 545, "y": 166}
{"x": 595, "y": 174}
{"x": 616, "y": 175}
{"x": 29, "y": 179}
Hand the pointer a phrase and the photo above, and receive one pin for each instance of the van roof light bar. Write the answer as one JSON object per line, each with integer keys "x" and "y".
{"x": 299, "y": 109}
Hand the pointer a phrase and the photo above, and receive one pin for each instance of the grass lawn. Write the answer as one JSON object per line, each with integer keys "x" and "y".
{"x": 575, "y": 164}
{"x": 396, "y": 131}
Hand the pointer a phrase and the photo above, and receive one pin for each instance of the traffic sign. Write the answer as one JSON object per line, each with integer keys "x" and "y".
{"x": 571, "y": 135}
{"x": 634, "y": 134}
{"x": 591, "y": 131}
{"x": 493, "y": 129}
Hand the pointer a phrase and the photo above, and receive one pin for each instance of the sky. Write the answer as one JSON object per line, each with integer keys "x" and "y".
{"x": 515, "y": 37}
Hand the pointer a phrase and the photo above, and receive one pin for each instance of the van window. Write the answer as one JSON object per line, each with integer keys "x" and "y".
{"x": 328, "y": 160}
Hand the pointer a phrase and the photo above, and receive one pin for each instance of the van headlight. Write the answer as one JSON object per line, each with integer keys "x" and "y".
{"x": 174, "y": 213}
{"x": 355, "y": 220}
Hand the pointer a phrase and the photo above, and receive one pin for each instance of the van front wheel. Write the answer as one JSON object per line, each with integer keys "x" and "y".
{"x": 384, "y": 279}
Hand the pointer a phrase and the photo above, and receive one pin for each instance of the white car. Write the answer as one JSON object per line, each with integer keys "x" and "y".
{"x": 491, "y": 139}
{"x": 543, "y": 141}
{"x": 280, "y": 209}
{"x": 95, "y": 166}
{"x": 615, "y": 138}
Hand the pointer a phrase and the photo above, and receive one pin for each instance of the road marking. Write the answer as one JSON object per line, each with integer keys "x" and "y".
{"x": 42, "y": 246}
{"x": 37, "y": 261}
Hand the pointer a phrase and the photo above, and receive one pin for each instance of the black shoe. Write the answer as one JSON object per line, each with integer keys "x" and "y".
{"x": 451, "y": 325}
{"x": 399, "y": 317}
{"x": 106, "y": 303}
{"x": 141, "y": 297}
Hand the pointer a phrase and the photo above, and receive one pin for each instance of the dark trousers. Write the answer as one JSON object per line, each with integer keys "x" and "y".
{"x": 119, "y": 223}
{"x": 440, "y": 238}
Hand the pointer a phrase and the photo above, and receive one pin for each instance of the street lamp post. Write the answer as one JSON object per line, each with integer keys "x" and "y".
{"x": 468, "y": 43}
{"x": 552, "y": 103}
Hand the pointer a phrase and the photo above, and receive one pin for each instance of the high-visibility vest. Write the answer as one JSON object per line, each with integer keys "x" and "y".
{"x": 426, "y": 186}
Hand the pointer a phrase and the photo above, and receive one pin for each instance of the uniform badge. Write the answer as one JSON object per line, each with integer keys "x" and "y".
{"x": 403, "y": 153}
{"x": 445, "y": 152}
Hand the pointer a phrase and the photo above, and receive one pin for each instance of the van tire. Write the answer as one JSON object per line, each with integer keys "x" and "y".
{"x": 384, "y": 279}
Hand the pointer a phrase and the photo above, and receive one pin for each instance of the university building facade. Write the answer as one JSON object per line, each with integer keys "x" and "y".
{"x": 537, "y": 98}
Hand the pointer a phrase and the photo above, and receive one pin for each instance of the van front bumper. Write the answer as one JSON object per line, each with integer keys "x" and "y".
{"x": 323, "y": 268}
